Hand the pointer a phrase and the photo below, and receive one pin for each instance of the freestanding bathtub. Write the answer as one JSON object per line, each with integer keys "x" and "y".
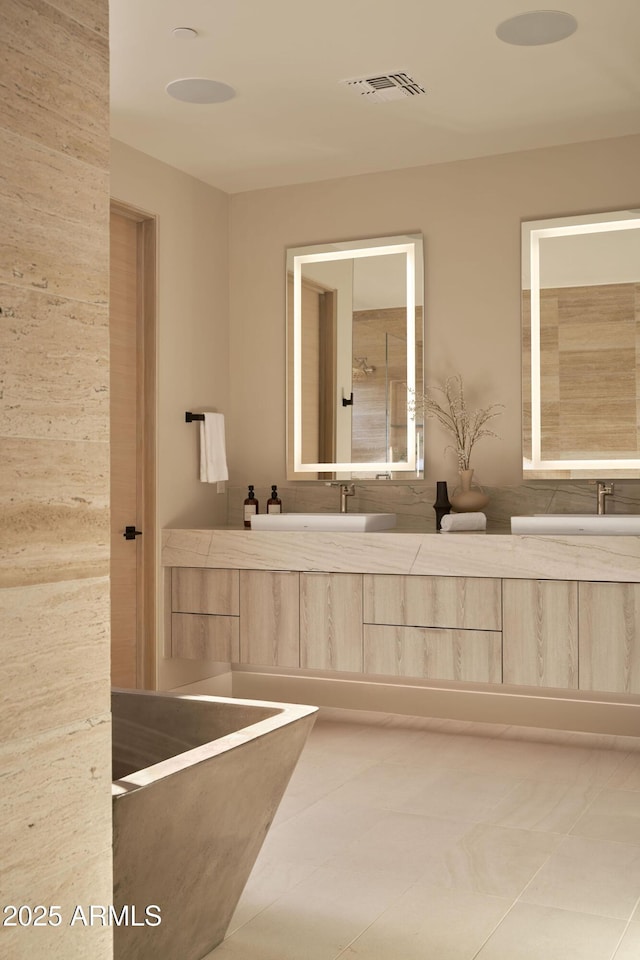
{"x": 196, "y": 784}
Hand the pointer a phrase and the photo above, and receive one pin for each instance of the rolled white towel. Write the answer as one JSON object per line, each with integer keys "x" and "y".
{"x": 463, "y": 521}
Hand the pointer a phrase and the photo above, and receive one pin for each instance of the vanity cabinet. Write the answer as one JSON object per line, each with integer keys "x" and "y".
{"x": 439, "y": 628}
{"x": 555, "y": 634}
{"x": 540, "y": 633}
{"x": 331, "y": 621}
{"x": 609, "y": 643}
{"x": 205, "y": 614}
{"x": 270, "y": 618}
{"x": 524, "y": 630}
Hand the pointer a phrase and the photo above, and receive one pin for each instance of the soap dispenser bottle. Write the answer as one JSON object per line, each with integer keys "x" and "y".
{"x": 274, "y": 503}
{"x": 250, "y": 507}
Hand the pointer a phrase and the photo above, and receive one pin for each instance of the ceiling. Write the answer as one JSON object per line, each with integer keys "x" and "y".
{"x": 293, "y": 121}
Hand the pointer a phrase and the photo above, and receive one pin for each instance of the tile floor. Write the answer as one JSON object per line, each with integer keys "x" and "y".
{"x": 407, "y": 839}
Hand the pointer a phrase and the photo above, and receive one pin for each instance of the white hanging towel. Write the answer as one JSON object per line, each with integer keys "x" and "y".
{"x": 213, "y": 458}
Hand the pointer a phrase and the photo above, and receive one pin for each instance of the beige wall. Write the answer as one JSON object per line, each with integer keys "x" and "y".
{"x": 192, "y": 341}
{"x": 54, "y": 563}
{"x": 470, "y": 214}
{"x": 222, "y": 309}
{"x": 193, "y": 353}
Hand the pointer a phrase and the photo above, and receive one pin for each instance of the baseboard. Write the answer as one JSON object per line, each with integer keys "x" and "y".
{"x": 553, "y": 710}
{"x": 220, "y": 686}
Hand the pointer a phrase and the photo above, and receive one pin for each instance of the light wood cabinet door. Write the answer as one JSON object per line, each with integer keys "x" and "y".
{"x": 200, "y": 590}
{"x": 459, "y": 602}
{"x": 270, "y": 618}
{"x": 331, "y": 621}
{"x": 204, "y": 637}
{"x": 540, "y": 633}
{"x": 609, "y": 617}
{"x": 435, "y": 654}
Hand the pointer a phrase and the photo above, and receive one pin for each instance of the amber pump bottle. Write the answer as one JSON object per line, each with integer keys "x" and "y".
{"x": 251, "y": 506}
{"x": 274, "y": 503}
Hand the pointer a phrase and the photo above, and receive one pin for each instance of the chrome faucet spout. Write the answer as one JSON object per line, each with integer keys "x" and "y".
{"x": 603, "y": 490}
{"x": 346, "y": 490}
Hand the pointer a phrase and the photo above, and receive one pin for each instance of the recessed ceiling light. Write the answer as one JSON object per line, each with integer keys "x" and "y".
{"x": 537, "y": 27}
{"x": 200, "y": 90}
{"x": 185, "y": 33}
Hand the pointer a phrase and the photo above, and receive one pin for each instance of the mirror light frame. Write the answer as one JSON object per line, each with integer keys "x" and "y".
{"x": 532, "y": 232}
{"x": 297, "y": 260}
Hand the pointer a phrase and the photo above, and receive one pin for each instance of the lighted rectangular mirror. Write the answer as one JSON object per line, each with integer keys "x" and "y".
{"x": 354, "y": 355}
{"x": 581, "y": 346}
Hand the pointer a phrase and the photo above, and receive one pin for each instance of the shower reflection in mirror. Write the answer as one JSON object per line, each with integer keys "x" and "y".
{"x": 355, "y": 329}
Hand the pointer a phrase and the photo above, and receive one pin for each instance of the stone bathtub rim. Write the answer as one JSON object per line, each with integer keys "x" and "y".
{"x": 285, "y": 713}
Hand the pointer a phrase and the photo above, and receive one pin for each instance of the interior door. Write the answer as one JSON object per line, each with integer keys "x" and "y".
{"x": 132, "y": 405}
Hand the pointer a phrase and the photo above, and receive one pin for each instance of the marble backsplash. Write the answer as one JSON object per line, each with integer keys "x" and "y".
{"x": 412, "y": 502}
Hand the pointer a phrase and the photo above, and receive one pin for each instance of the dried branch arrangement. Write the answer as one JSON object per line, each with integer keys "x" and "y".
{"x": 467, "y": 428}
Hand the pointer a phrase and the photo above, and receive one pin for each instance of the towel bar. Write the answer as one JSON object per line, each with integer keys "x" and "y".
{"x": 189, "y": 417}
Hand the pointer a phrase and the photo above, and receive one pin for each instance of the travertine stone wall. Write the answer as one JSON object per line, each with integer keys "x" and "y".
{"x": 55, "y": 803}
{"x": 589, "y": 370}
{"x": 590, "y": 377}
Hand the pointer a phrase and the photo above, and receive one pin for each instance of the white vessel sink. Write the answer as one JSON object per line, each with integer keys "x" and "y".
{"x": 587, "y": 524}
{"x": 332, "y": 522}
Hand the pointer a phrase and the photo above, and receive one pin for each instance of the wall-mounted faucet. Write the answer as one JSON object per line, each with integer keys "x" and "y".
{"x": 603, "y": 490}
{"x": 346, "y": 490}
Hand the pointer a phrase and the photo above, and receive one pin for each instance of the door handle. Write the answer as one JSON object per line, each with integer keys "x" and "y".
{"x": 130, "y": 533}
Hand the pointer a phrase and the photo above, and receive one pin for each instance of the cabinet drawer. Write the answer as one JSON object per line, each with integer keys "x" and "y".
{"x": 470, "y": 603}
{"x": 199, "y": 590}
{"x": 202, "y": 637}
{"x": 433, "y": 653}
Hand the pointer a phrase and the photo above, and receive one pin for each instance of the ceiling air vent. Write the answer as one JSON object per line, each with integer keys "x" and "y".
{"x": 386, "y": 86}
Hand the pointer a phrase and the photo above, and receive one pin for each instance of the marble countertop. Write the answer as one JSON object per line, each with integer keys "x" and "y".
{"x": 488, "y": 554}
